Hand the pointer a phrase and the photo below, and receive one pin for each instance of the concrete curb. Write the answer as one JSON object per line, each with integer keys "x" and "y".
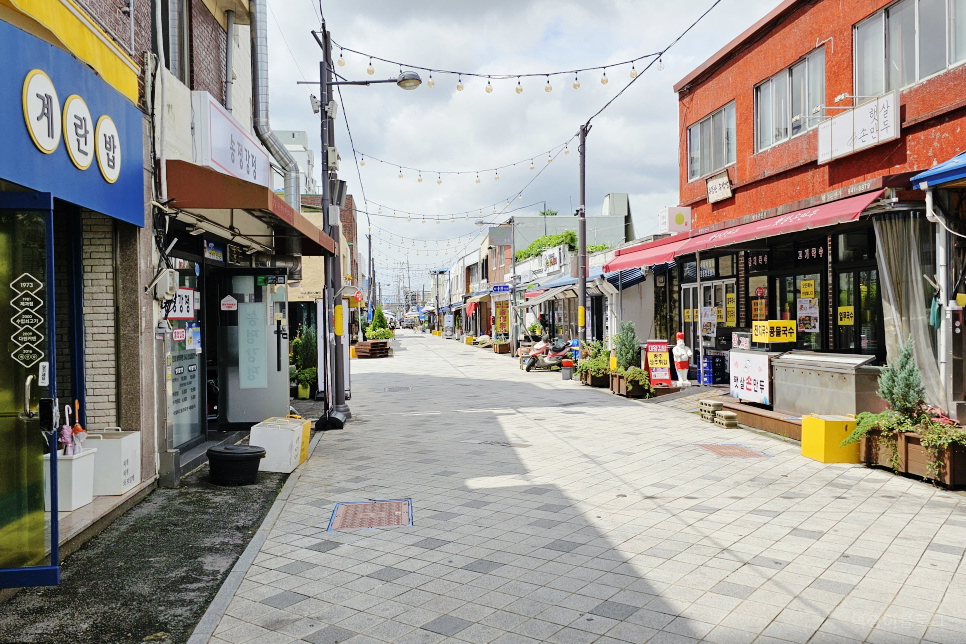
{"x": 216, "y": 610}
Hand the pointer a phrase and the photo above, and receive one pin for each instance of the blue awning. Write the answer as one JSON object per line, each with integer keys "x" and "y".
{"x": 627, "y": 277}
{"x": 592, "y": 274}
{"x": 947, "y": 172}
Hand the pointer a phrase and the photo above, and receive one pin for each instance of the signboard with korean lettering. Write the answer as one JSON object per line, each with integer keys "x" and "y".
{"x": 709, "y": 321}
{"x": 731, "y": 310}
{"x": 807, "y": 288}
{"x": 846, "y": 315}
{"x": 758, "y": 309}
{"x": 252, "y": 345}
{"x": 658, "y": 362}
{"x": 68, "y": 131}
{"x": 719, "y": 187}
{"x": 183, "y": 307}
{"x": 807, "y": 314}
{"x": 773, "y": 331}
{"x": 864, "y": 126}
{"x": 222, "y": 144}
{"x": 756, "y": 261}
{"x": 750, "y": 376}
{"x": 502, "y": 310}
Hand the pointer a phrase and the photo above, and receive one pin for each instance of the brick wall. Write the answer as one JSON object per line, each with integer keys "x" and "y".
{"x": 207, "y": 43}
{"x": 107, "y": 14}
{"x": 62, "y": 317}
{"x": 100, "y": 331}
{"x": 347, "y": 216}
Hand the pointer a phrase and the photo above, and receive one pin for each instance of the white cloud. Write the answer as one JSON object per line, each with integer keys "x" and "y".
{"x": 632, "y": 147}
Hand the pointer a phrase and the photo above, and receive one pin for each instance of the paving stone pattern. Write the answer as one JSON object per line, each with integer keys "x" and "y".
{"x": 609, "y": 526}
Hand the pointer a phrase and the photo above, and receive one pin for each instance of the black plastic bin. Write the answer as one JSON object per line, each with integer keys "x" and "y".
{"x": 234, "y": 464}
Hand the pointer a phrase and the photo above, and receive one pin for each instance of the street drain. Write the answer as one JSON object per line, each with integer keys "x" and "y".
{"x": 732, "y": 450}
{"x": 371, "y": 514}
{"x": 395, "y": 389}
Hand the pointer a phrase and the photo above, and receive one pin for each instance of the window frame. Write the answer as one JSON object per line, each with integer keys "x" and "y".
{"x": 883, "y": 16}
{"x": 695, "y": 130}
{"x": 785, "y": 75}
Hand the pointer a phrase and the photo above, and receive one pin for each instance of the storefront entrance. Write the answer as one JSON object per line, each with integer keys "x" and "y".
{"x": 26, "y": 265}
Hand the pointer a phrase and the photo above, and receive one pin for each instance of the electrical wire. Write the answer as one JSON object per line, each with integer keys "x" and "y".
{"x": 565, "y": 72}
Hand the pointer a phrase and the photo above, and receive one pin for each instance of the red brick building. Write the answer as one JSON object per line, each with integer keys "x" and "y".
{"x": 798, "y": 140}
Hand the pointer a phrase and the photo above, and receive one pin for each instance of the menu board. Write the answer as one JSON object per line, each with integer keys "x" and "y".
{"x": 658, "y": 362}
{"x": 807, "y": 315}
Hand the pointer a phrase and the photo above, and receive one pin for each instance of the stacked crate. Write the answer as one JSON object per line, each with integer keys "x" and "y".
{"x": 715, "y": 370}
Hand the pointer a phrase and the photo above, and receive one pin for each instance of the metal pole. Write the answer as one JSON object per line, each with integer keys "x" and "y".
{"x": 333, "y": 273}
{"x": 582, "y": 239}
{"x": 514, "y": 332}
{"x": 229, "y": 54}
{"x": 697, "y": 336}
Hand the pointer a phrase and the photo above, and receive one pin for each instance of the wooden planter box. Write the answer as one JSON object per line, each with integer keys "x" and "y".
{"x": 632, "y": 389}
{"x": 501, "y": 347}
{"x": 914, "y": 458}
{"x": 616, "y": 381}
{"x": 872, "y": 451}
{"x": 594, "y": 381}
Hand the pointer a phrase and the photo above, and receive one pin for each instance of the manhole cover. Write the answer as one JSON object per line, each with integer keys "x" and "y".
{"x": 371, "y": 514}
{"x": 733, "y": 450}
{"x": 395, "y": 389}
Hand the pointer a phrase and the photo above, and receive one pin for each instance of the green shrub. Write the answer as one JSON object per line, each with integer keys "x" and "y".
{"x": 379, "y": 318}
{"x": 901, "y": 386}
{"x": 597, "y": 366}
{"x": 308, "y": 377}
{"x": 640, "y": 378}
{"x": 379, "y": 334}
{"x": 296, "y": 352}
{"x": 307, "y": 356}
{"x": 627, "y": 347}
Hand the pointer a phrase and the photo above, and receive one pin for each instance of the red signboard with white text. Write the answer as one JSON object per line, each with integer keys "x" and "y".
{"x": 658, "y": 362}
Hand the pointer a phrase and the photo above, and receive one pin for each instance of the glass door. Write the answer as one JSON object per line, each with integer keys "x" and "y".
{"x": 858, "y": 314}
{"x": 26, "y": 377}
{"x": 799, "y": 298}
{"x": 690, "y": 317}
{"x": 188, "y": 413}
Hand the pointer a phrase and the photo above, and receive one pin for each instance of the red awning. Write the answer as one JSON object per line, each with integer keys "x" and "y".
{"x": 660, "y": 252}
{"x": 536, "y": 293}
{"x": 829, "y": 214}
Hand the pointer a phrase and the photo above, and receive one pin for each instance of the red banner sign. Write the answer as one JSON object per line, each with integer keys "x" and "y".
{"x": 658, "y": 362}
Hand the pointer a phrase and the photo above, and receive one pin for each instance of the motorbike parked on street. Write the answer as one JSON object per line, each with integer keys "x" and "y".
{"x": 545, "y": 355}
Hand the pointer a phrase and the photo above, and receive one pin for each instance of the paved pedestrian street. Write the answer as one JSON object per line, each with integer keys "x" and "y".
{"x": 546, "y": 511}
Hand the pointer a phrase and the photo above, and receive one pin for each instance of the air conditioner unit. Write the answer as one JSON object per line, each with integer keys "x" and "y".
{"x": 674, "y": 219}
{"x": 333, "y": 158}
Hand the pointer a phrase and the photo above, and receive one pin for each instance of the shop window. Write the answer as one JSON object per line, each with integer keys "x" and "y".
{"x": 858, "y": 313}
{"x": 855, "y": 246}
{"x": 790, "y": 102}
{"x": 782, "y": 257}
{"x": 811, "y": 253}
{"x": 174, "y": 19}
{"x": 711, "y": 143}
{"x": 758, "y": 297}
{"x": 689, "y": 271}
{"x": 707, "y": 268}
{"x": 726, "y": 266}
{"x": 907, "y": 42}
{"x": 756, "y": 261}
{"x": 799, "y": 298}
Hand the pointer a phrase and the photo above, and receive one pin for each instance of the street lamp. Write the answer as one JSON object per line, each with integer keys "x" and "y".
{"x": 338, "y": 412}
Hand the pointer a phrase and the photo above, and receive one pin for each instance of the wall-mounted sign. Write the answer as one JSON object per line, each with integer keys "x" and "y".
{"x": 179, "y": 335}
{"x": 674, "y": 219}
{"x": 719, "y": 187}
{"x": 27, "y": 320}
{"x": 501, "y": 288}
{"x": 807, "y": 288}
{"x": 756, "y": 261}
{"x": 228, "y": 303}
{"x": 846, "y": 315}
{"x": 215, "y": 251}
{"x": 184, "y": 305}
{"x": 749, "y": 376}
{"x": 869, "y": 124}
{"x": 731, "y": 310}
{"x": 552, "y": 260}
{"x": 41, "y": 111}
{"x": 222, "y": 144}
{"x": 807, "y": 314}
{"x": 709, "y": 321}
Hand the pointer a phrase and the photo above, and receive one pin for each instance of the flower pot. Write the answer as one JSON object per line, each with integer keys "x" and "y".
{"x": 304, "y": 392}
{"x": 635, "y": 390}
{"x": 598, "y": 381}
{"x": 234, "y": 464}
{"x": 501, "y": 348}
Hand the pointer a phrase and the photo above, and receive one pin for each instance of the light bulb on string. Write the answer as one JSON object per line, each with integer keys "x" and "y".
{"x": 341, "y": 60}
{"x": 489, "y": 88}
{"x": 603, "y": 79}
{"x": 393, "y": 214}
{"x": 420, "y": 179}
{"x": 430, "y": 82}
{"x": 477, "y": 178}
{"x": 660, "y": 64}
{"x": 519, "y": 87}
{"x": 566, "y": 149}
{"x": 362, "y": 161}
{"x": 400, "y": 173}
{"x": 549, "y": 158}
{"x": 531, "y": 164}
{"x": 496, "y": 176}
{"x": 370, "y": 69}
{"x": 380, "y": 211}
{"x": 459, "y": 84}
{"x": 520, "y": 197}
{"x": 548, "y": 87}
{"x": 439, "y": 179}
{"x": 576, "y": 82}
{"x": 633, "y": 71}
{"x": 409, "y": 218}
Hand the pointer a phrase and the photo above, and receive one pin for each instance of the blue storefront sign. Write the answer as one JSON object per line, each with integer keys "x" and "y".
{"x": 501, "y": 288}
{"x": 66, "y": 131}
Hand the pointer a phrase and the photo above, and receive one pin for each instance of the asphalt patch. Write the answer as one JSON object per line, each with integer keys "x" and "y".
{"x": 150, "y": 575}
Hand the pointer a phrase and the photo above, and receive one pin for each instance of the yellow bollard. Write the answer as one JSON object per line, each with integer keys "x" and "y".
{"x": 352, "y": 351}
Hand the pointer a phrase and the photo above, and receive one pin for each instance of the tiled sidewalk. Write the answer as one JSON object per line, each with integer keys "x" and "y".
{"x": 550, "y": 512}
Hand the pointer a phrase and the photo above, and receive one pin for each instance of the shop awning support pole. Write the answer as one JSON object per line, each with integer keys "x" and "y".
{"x": 582, "y": 239}
{"x": 697, "y": 336}
{"x": 945, "y": 324}
{"x": 514, "y": 333}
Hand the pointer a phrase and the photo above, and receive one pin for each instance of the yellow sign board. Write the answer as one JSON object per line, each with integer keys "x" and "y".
{"x": 337, "y": 319}
{"x": 772, "y": 331}
{"x": 846, "y": 315}
{"x": 720, "y": 314}
{"x": 658, "y": 360}
{"x": 808, "y": 288}
{"x": 730, "y": 310}
{"x": 687, "y": 315}
{"x": 758, "y": 310}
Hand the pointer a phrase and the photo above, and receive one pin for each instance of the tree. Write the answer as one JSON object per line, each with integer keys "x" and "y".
{"x": 379, "y": 319}
{"x": 627, "y": 347}
{"x": 548, "y": 213}
{"x": 901, "y": 386}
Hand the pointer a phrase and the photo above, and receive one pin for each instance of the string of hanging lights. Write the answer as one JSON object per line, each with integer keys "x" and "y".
{"x": 565, "y": 147}
{"x": 548, "y": 87}
{"x": 494, "y": 208}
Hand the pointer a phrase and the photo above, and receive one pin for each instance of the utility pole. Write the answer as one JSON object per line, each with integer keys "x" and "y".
{"x": 339, "y": 411}
{"x": 514, "y": 328}
{"x": 372, "y": 270}
{"x": 582, "y": 239}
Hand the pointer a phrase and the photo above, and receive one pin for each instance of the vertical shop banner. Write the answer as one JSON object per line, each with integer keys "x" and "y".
{"x": 750, "y": 376}
{"x": 709, "y": 321}
{"x": 807, "y": 314}
{"x": 252, "y": 346}
{"x": 658, "y": 363}
{"x": 731, "y": 310}
{"x": 502, "y": 316}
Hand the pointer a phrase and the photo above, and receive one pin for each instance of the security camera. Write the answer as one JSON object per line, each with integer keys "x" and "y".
{"x": 316, "y": 103}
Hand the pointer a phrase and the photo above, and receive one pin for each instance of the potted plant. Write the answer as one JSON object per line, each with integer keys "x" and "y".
{"x": 908, "y": 437}
{"x": 627, "y": 351}
{"x": 307, "y": 379}
{"x": 637, "y": 384}
{"x": 501, "y": 346}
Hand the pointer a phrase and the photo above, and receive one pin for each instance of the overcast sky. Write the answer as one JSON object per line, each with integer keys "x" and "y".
{"x": 632, "y": 148}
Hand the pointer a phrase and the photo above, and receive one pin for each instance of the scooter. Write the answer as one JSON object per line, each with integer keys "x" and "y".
{"x": 545, "y": 355}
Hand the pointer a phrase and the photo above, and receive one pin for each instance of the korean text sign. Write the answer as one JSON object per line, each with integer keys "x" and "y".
{"x": 750, "y": 376}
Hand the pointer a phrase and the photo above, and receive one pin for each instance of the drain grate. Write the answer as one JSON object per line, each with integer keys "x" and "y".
{"x": 371, "y": 514}
{"x": 732, "y": 450}
{"x": 395, "y": 389}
